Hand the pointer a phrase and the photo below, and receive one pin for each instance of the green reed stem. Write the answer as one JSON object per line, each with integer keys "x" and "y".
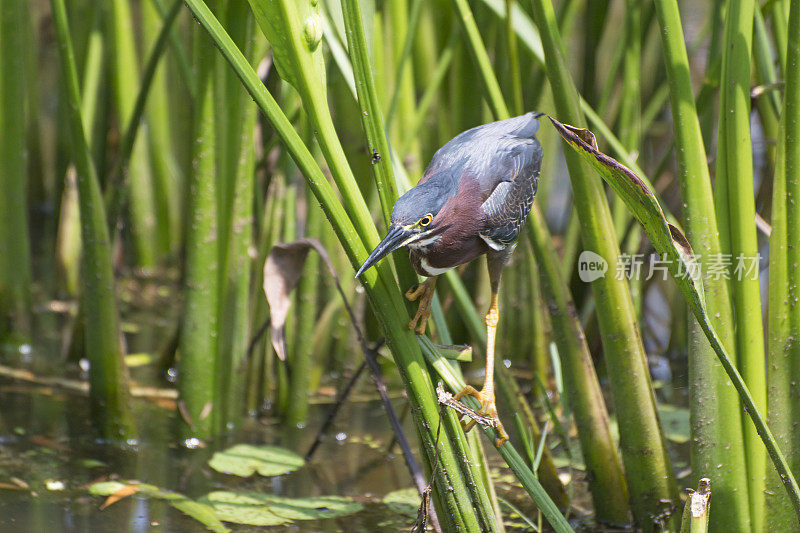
{"x": 115, "y": 191}
{"x": 15, "y": 263}
{"x": 784, "y": 315}
{"x": 199, "y": 338}
{"x": 125, "y": 77}
{"x": 513, "y": 60}
{"x": 735, "y": 196}
{"x": 166, "y": 177}
{"x": 405, "y": 53}
{"x": 371, "y": 119}
{"x": 715, "y": 421}
{"x": 108, "y": 375}
{"x": 235, "y": 196}
{"x": 603, "y": 465}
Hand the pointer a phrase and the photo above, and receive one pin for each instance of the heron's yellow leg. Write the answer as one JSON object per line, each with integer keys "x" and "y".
{"x": 486, "y": 395}
{"x": 424, "y": 293}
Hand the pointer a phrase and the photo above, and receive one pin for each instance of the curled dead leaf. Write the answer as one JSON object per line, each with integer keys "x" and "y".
{"x": 122, "y": 492}
{"x": 282, "y": 271}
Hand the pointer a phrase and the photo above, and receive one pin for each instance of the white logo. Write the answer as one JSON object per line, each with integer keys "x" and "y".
{"x": 591, "y": 266}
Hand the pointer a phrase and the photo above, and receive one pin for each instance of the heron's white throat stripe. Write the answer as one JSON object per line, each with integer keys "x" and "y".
{"x": 418, "y": 240}
{"x": 431, "y": 271}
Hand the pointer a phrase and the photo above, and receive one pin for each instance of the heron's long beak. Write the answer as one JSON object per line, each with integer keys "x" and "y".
{"x": 395, "y": 239}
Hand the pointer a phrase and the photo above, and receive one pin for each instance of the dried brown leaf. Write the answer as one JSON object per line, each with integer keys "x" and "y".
{"x": 282, "y": 272}
{"x": 124, "y": 492}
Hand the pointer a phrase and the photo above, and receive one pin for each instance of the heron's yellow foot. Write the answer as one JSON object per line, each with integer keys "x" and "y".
{"x": 424, "y": 293}
{"x": 488, "y": 409}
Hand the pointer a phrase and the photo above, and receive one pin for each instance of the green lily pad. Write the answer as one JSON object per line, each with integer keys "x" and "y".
{"x": 201, "y": 512}
{"x": 245, "y": 460}
{"x": 258, "y": 509}
{"x": 106, "y": 488}
{"x": 403, "y": 501}
{"x": 243, "y": 508}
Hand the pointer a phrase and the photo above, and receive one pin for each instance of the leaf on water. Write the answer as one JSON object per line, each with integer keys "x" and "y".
{"x": 258, "y": 509}
{"x": 244, "y": 460}
{"x": 403, "y": 501}
{"x": 122, "y": 492}
{"x": 244, "y": 508}
{"x": 282, "y": 271}
{"x": 116, "y": 490}
{"x": 675, "y": 421}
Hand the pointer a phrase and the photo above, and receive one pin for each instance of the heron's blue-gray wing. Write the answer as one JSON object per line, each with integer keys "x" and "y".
{"x": 509, "y": 203}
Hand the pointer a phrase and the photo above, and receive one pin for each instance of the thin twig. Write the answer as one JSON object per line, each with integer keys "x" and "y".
{"x": 445, "y": 398}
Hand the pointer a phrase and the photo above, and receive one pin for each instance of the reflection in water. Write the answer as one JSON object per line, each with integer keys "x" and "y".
{"x": 46, "y": 436}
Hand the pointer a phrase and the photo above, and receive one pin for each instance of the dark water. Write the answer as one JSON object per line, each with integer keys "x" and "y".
{"x": 46, "y": 444}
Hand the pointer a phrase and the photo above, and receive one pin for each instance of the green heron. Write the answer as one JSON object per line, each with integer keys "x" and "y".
{"x": 473, "y": 199}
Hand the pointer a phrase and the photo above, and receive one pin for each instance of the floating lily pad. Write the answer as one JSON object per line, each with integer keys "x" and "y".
{"x": 245, "y": 460}
{"x": 257, "y": 509}
{"x": 199, "y": 511}
{"x": 403, "y": 501}
{"x": 106, "y": 488}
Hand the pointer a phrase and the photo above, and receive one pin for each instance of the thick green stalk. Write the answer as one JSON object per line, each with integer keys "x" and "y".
{"x": 491, "y": 88}
{"x": 784, "y": 314}
{"x": 603, "y": 466}
{"x": 115, "y": 191}
{"x": 166, "y": 178}
{"x": 371, "y": 119}
{"x": 513, "y": 60}
{"x": 235, "y": 214}
{"x": 92, "y": 85}
{"x": 125, "y": 76}
{"x": 15, "y": 259}
{"x": 717, "y": 446}
{"x": 301, "y": 360}
{"x": 739, "y": 238}
{"x": 402, "y": 59}
{"x": 199, "y": 329}
{"x": 647, "y": 465}
{"x": 405, "y": 85}
{"x": 108, "y": 374}
{"x": 780, "y": 24}
{"x": 423, "y": 113}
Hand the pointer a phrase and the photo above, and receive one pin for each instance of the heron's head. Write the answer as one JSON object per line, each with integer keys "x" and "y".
{"x": 413, "y": 220}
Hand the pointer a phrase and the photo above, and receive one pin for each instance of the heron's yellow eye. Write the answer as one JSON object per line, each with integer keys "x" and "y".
{"x": 424, "y": 221}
